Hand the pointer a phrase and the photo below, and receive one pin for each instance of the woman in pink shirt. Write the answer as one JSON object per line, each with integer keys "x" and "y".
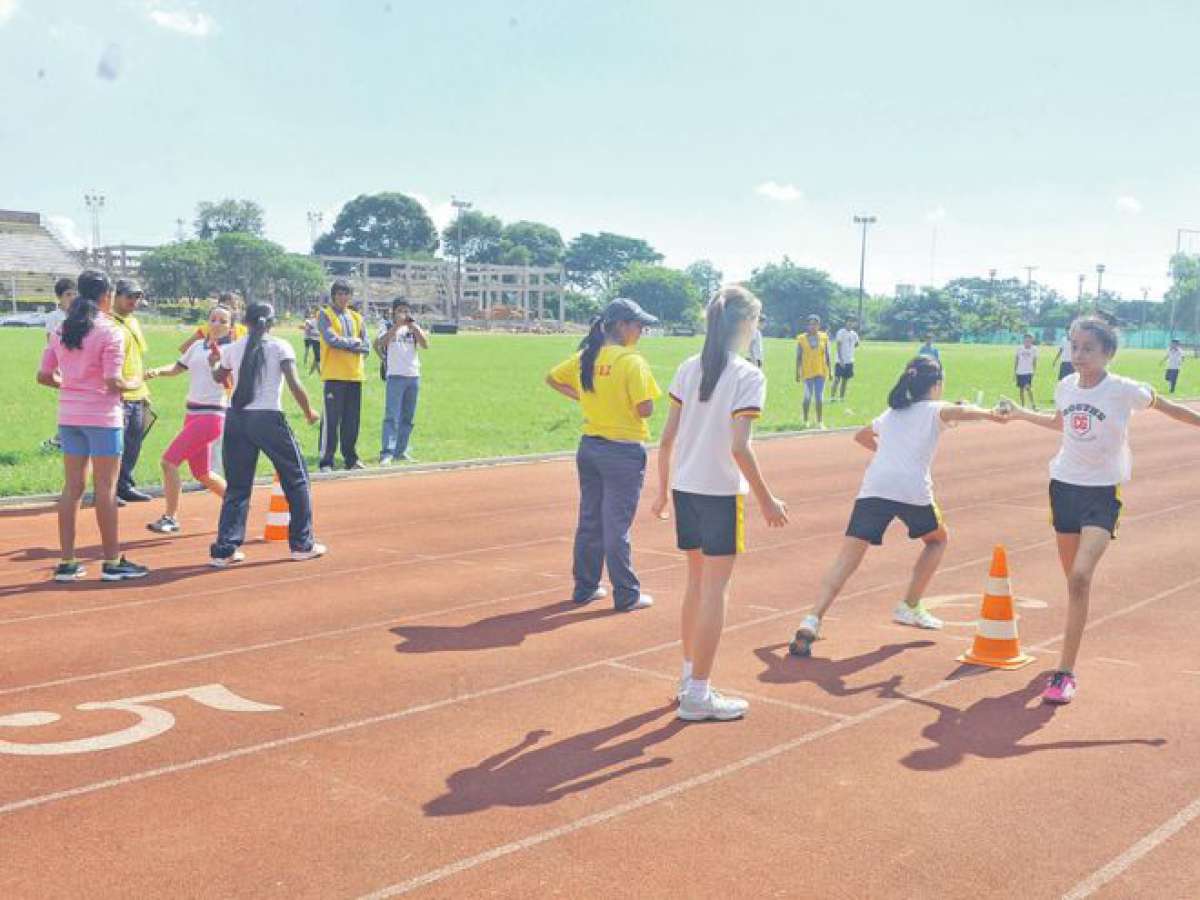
{"x": 83, "y": 362}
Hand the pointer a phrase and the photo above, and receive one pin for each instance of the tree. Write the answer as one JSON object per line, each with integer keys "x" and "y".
{"x": 1184, "y": 294}
{"x": 666, "y": 293}
{"x": 227, "y": 216}
{"x": 532, "y": 244}
{"x": 930, "y": 311}
{"x": 595, "y": 261}
{"x": 705, "y": 276}
{"x": 381, "y": 225}
{"x": 297, "y": 279}
{"x": 246, "y": 263}
{"x": 480, "y": 237}
{"x": 791, "y": 293}
{"x": 580, "y": 307}
{"x": 185, "y": 269}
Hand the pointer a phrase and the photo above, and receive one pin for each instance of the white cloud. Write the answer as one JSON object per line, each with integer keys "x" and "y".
{"x": 936, "y": 215}
{"x": 67, "y": 229}
{"x": 1129, "y": 205}
{"x": 7, "y": 9}
{"x": 191, "y": 22}
{"x": 442, "y": 213}
{"x": 784, "y": 193}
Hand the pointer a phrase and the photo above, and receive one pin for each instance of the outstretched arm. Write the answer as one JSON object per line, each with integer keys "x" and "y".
{"x": 1175, "y": 410}
{"x": 1053, "y": 420}
{"x": 968, "y": 412}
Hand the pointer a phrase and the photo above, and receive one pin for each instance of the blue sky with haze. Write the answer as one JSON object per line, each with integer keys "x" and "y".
{"x": 1056, "y": 134}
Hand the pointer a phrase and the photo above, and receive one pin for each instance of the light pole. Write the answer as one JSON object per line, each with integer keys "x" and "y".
{"x": 315, "y": 221}
{"x": 1029, "y": 270}
{"x": 1079, "y": 296}
{"x": 95, "y": 205}
{"x": 991, "y": 284}
{"x": 459, "y": 205}
{"x": 864, "y": 221}
{"x": 1099, "y": 281}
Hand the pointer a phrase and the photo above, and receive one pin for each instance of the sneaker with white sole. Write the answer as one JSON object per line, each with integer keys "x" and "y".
{"x": 122, "y": 570}
{"x": 598, "y": 594}
{"x": 917, "y": 616}
{"x": 311, "y": 553}
{"x": 643, "y": 601}
{"x": 165, "y": 525}
{"x": 224, "y": 562}
{"x": 806, "y": 635}
{"x": 69, "y": 571}
{"x": 716, "y": 707}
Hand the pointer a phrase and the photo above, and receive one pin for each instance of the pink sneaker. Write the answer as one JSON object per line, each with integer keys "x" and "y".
{"x": 1061, "y": 688}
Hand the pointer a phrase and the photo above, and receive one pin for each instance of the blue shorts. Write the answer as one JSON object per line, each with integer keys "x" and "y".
{"x": 814, "y": 387}
{"x": 91, "y": 440}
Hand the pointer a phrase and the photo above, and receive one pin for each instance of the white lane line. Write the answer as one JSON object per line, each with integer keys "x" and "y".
{"x": 1147, "y": 844}
{"x": 763, "y": 608}
{"x": 1115, "y": 662}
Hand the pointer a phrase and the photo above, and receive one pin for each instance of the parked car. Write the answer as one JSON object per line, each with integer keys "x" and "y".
{"x": 24, "y": 320}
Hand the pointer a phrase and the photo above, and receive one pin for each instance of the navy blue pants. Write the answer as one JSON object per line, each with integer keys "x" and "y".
{"x": 611, "y": 474}
{"x": 134, "y": 414}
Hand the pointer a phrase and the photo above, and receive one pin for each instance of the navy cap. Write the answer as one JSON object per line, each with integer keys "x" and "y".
{"x": 128, "y": 286}
{"x": 625, "y": 310}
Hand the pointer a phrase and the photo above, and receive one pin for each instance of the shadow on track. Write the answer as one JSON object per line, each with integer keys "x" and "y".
{"x": 830, "y": 674}
{"x": 504, "y": 630}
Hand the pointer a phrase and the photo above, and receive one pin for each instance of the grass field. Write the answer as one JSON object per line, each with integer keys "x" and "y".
{"x": 482, "y": 395}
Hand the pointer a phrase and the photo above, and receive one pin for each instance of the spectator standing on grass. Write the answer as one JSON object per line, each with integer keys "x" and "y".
{"x": 613, "y": 384}
{"x": 84, "y": 361}
{"x": 846, "y": 341}
{"x": 398, "y": 344}
{"x": 64, "y": 290}
{"x": 755, "y": 352}
{"x": 1174, "y": 361}
{"x": 1062, "y": 356}
{"x": 312, "y": 341}
{"x": 344, "y": 347}
{"x": 135, "y": 401}
{"x": 1024, "y": 368}
{"x": 260, "y": 364}
{"x": 812, "y": 366}
{"x": 928, "y": 349}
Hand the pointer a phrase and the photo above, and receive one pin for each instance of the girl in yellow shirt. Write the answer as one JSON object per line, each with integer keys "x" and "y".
{"x": 616, "y": 390}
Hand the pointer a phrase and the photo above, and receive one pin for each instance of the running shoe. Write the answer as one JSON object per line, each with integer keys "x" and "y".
{"x": 715, "y": 707}
{"x": 69, "y": 571}
{"x": 806, "y": 635}
{"x": 643, "y": 601}
{"x": 385, "y": 460}
{"x": 311, "y": 553}
{"x": 355, "y": 466}
{"x": 1061, "y": 689}
{"x": 598, "y": 594}
{"x": 224, "y": 562}
{"x": 407, "y": 457}
{"x": 917, "y": 616}
{"x": 122, "y": 570}
{"x": 165, "y": 525}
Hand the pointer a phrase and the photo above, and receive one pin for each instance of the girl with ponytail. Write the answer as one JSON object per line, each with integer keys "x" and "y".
{"x": 260, "y": 365}
{"x": 616, "y": 390}
{"x": 898, "y": 485}
{"x": 714, "y": 399}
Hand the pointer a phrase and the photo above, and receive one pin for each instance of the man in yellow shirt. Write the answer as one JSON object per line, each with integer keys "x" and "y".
{"x": 344, "y": 347}
{"x": 812, "y": 366}
{"x": 136, "y": 402}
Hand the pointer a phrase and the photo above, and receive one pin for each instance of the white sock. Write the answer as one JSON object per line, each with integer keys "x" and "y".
{"x": 687, "y": 670}
{"x": 697, "y": 690}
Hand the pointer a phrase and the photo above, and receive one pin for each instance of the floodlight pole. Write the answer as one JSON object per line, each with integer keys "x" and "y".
{"x": 1099, "y": 281}
{"x": 95, "y": 205}
{"x": 864, "y": 221}
{"x": 459, "y": 205}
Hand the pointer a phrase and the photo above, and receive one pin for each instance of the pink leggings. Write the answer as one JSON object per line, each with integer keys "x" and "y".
{"x": 194, "y": 442}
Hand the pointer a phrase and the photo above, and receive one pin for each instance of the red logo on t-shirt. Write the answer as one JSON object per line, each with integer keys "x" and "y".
{"x": 1081, "y": 423}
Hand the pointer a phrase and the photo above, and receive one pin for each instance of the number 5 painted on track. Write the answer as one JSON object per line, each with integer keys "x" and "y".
{"x": 153, "y": 721}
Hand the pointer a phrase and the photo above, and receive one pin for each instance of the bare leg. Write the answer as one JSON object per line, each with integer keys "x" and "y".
{"x": 820, "y": 400}
{"x": 214, "y": 483}
{"x": 927, "y": 563}
{"x": 172, "y": 487}
{"x": 807, "y": 403}
{"x": 1068, "y": 546}
{"x": 848, "y": 560}
{"x": 691, "y": 603}
{"x": 710, "y": 618}
{"x": 1092, "y": 544}
{"x": 104, "y": 483}
{"x": 75, "y": 472}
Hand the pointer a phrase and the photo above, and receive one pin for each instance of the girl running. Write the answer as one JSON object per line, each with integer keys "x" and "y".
{"x": 83, "y": 361}
{"x": 202, "y": 425}
{"x": 1092, "y": 408}
{"x": 714, "y": 399}
{"x": 255, "y": 422}
{"x": 614, "y": 386}
{"x": 898, "y": 485}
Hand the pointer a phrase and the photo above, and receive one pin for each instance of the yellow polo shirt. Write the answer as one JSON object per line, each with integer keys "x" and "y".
{"x": 813, "y": 360}
{"x": 135, "y": 349}
{"x": 622, "y": 380}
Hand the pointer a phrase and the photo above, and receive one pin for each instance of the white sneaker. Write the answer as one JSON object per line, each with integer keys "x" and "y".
{"x": 598, "y": 594}
{"x": 917, "y": 616}
{"x": 715, "y": 706}
{"x": 644, "y": 601}
{"x": 224, "y": 562}
{"x": 681, "y": 691}
{"x": 311, "y": 553}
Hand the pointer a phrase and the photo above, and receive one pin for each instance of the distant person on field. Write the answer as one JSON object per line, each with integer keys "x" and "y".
{"x": 135, "y": 400}
{"x": 616, "y": 390}
{"x": 231, "y": 302}
{"x": 1024, "y": 368}
{"x": 812, "y": 366}
{"x": 755, "y": 353}
{"x": 202, "y": 424}
{"x": 1062, "y": 356}
{"x": 312, "y": 341}
{"x": 64, "y": 290}
{"x": 1174, "y": 361}
{"x": 846, "y": 341}
{"x": 398, "y": 344}
{"x": 260, "y": 365}
{"x": 928, "y": 349}
{"x": 84, "y": 362}
{"x": 344, "y": 347}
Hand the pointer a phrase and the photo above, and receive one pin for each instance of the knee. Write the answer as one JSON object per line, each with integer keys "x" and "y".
{"x": 939, "y": 538}
{"x": 1079, "y": 583}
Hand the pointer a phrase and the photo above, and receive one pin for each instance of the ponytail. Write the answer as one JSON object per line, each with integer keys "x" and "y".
{"x": 259, "y": 318}
{"x": 726, "y": 312}
{"x": 590, "y": 346}
{"x": 919, "y": 377}
{"x": 81, "y": 317}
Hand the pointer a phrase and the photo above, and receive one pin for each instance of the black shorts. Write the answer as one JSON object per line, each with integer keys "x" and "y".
{"x": 1065, "y": 369}
{"x": 1024, "y": 381}
{"x": 843, "y": 370}
{"x": 1074, "y": 506}
{"x": 716, "y": 526}
{"x": 872, "y": 516}
{"x": 1172, "y": 377}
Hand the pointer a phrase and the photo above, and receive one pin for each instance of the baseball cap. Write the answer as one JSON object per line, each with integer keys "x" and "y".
{"x": 623, "y": 309}
{"x": 128, "y": 286}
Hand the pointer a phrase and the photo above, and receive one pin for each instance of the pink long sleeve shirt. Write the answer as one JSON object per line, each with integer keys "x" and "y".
{"x": 84, "y": 398}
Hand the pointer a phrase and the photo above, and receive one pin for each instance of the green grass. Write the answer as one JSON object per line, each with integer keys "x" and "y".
{"x": 482, "y": 395}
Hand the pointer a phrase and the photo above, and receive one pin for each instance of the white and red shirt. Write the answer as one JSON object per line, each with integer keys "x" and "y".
{"x": 1095, "y": 429}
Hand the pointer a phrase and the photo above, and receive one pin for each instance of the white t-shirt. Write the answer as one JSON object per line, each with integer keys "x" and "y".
{"x": 908, "y": 439}
{"x": 1174, "y": 357}
{"x": 54, "y": 320}
{"x": 1026, "y": 359}
{"x": 846, "y": 341}
{"x": 1095, "y": 441}
{"x": 269, "y": 393}
{"x": 1064, "y": 349}
{"x": 203, "y": 390}
{"x": 402, "y": 358}
{"x": 704, "y": 462}
{"x": 756, "y": 349}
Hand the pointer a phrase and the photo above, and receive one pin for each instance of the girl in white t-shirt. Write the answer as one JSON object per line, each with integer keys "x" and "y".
{"x": 1092, "y": 408}
{"x": 898, "y": 484}
{"x": 714, "y": 399}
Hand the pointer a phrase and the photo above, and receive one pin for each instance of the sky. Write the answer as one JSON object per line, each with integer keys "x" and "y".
{"x": 981, "y": 135}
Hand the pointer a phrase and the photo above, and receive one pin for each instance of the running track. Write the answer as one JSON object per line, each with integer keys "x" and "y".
{"x": 448, "y": 726}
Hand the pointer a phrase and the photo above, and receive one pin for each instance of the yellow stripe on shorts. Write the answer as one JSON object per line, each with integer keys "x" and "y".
{"x": 740, "y": 544}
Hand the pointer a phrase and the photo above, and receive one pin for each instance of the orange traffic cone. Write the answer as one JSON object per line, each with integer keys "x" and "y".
{"x": 278, "y": 514}
{"x": 996, "y": 644}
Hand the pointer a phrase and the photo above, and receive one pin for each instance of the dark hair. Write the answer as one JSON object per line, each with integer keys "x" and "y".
{"x": 63, "y": 285}
{"x": 590, "y": 346}
{"x": 93, "y": 284}
{"x": 341, "y": 286}
{"x": 225, "y": 298}
{"x": 399, "y": 302}
{"x": 1105, "y": 333}
{"x": 726, "y": 312}
{"x": 259, "y": 317}
{"x": 920, "y": 374}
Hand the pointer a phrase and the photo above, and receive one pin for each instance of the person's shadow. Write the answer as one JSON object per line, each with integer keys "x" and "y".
{"x": 830, "y": 674}
{"x": 993, "y": 728}
{"x": 503, "y": 630}
{"x": 528, "y": 775}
